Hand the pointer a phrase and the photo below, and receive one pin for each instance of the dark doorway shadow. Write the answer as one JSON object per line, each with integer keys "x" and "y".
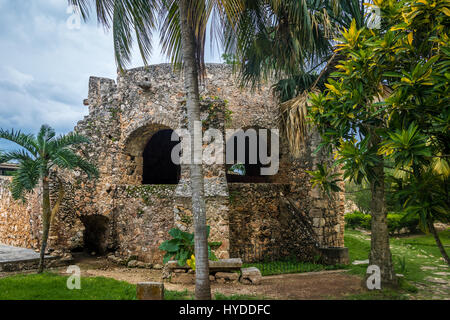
{"x": 158, "y": 165}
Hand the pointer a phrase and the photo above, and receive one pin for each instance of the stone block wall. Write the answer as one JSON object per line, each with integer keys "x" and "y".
{"x": 133, "y": 219}
{"x": 19, "y": 221}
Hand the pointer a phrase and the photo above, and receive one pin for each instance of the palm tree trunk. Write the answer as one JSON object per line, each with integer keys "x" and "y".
{"x": 46, "y": 213}
{"x": 202, "y": 284}
{"x": 380, "y": 253}
{"x": 438, "y": 242}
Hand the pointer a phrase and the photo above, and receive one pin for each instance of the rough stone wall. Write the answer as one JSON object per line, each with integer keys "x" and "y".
{"x": 19, "y": 221}
{"x": 122, "y": 118}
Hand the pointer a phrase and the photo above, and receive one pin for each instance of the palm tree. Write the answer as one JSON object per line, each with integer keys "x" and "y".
{"x": 183, "y": 34}
{"x": 39, "y": 157}
{"x": 290, "y": 42}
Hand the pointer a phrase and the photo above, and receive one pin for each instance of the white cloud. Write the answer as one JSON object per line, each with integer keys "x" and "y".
{"x": 46, "y": 66}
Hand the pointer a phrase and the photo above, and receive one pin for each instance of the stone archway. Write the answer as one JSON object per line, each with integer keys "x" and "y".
{"x": 248, "y": 171}
{"x": 96, "y": 231}
{"x": 148, "y": 150}
{"x": 158, "y": 165}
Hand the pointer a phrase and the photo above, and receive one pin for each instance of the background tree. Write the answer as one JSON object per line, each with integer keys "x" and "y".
{"x": 304, "y": 32}
{"x": 183, "y": 35}
{"x": 390, "y": 101}
{"x": 39, "y": 157}
{"x": 291, "y": 43}
{"x": 417, "y": 141}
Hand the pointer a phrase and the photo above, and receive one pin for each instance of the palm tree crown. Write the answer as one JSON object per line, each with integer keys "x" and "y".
{"x": 40, "y": 154}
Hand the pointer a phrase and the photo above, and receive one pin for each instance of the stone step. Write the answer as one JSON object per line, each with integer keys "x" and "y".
{"x": 214, "y": 266}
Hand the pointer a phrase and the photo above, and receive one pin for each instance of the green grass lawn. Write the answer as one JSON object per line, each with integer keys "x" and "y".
{"x": 50, "y": 286}
{"x": 410, "y": 254}
{"x": 285, "y": 267}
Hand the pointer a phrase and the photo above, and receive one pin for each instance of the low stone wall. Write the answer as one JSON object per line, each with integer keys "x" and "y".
{"x": 19, "y": 221}
{"x": 262, "y": 227}
{"x": 271, "y": 221}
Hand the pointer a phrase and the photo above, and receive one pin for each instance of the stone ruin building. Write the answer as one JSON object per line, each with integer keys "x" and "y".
{"x": 140, "y": 194}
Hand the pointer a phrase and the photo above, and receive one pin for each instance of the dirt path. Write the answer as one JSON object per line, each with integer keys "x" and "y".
{"x": 314, "y": 285}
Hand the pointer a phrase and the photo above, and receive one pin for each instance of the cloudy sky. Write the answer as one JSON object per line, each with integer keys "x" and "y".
{"x": 45, "y": 64}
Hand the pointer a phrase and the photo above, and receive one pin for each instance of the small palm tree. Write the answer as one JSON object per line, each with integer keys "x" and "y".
{"x": 41, "y": 155}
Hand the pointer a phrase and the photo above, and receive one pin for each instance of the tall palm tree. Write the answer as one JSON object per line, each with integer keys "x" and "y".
{"x": 183, "y": 34}
{"x": 40, "y": 156}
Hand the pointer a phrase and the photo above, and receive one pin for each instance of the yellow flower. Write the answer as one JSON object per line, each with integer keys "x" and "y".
{"x": 191, "y": 262}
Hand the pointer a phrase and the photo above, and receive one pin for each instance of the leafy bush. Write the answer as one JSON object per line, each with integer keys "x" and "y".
{"x": 182, "y": 247}
{"x": 357, "y": 219}
{"x": 359, "y": 194}
{"x": 396, "y": 221}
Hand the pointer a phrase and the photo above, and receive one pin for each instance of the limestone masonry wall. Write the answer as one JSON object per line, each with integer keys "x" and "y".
{"x": 118, "y": 213}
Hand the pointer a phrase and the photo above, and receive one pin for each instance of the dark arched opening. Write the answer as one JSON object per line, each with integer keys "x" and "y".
{"x": 249, "y": 171}
{"x": 95, "y": 234}
{"x": 158, "y": 165}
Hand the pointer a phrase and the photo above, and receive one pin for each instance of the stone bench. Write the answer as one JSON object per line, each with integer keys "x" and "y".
{"x": 222, "y": 265}
{"x": 221, "y": 271}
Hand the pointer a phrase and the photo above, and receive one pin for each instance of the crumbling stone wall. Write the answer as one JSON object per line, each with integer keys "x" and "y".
{"x": 19, "y": 221}
{"x": 123, "y": 116}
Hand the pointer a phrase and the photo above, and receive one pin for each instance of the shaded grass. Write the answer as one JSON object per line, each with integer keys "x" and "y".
{"x": 285, "y": 267}
{"x": 49, "y": 286}
{"x": 378, "y": 295}
{"x": 178, "y": 295}
{"x": 409, "y": 255}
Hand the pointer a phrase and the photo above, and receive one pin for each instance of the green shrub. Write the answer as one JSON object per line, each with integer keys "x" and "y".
{"x": 357, "y": 219}
{"x": 396, "y": 221}
{"x": 181, "y": 246}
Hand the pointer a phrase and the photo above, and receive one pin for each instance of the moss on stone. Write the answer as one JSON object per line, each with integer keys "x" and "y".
{"x": 146, "y": 192}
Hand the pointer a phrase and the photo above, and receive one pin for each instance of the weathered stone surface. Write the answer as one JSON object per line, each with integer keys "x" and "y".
{"x": 250, "y": 276}
{"x": 227, "y": 276}
{"x": 225, "y": 264}
{"x": 114, "y": 259}
{"x": 437, "y": 280}
{"x": 132, "y": 264}
{"x": 173, "y": 264}
{"x": 183, "y": 278}
{"x": 360, "y": 262}
{"x": 180, "y": 270}
{"x": 143, "y": 265}
{"x": 333, "y": 256}
{"x": 150, "y": 291}
{"x": 134, "y": 219}
{"x": 17, "y": 259}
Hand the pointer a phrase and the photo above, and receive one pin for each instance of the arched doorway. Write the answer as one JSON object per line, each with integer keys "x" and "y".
{"x": 158, "y": 167}
{"x": 95, "y": 236}
{"x": 248, "y": 171}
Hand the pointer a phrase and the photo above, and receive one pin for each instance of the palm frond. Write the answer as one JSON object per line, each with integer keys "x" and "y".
{"x": 27, "y": 141}
{"x": 294, "y": 123}
{"x": 130, "y": 20}
{"x": 20, "y": 155}
{"x": 213, "y": 13}
{"x": 26, "y": 178}
{"x": 67, "y": 159}
{"x": 68, "y": 140}
{"x": 278, "y": 39}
